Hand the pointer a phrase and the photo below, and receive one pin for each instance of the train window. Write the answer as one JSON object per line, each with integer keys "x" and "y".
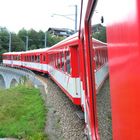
{"x": 44, "y": 58}
{"x": 99, "y": 63}
{"x": 32, "y": 58}
{"x": 53, "y": 60}
{"x": 98, "y": 28}
{"x": 98, "y": 31}
{"x": 63, "y": 61}
{"x": 60, "y": 55}
{"x": 38, "y": 58}
{"x": 50, "y": 59}
{"x": 35, "y": 58}
{"x": 68, "y": 68}
{"x": 58, "y": 61}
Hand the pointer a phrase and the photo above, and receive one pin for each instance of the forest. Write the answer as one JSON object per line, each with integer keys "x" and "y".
{"x": 36, "y": 40}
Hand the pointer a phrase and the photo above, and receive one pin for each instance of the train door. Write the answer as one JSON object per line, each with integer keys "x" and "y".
{"x": 98, "y": 112}
{"x": 75, "y": 69}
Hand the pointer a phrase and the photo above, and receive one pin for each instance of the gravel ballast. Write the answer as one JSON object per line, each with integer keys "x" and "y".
{"x": 104, "y": 112}
{"x": 62, "y": 121}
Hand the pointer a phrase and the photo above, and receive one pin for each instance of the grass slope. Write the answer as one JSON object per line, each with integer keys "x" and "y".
{"x": 22, "y": 113}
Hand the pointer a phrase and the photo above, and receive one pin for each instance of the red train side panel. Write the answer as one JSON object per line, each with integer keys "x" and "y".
{"x": 123, "y": 35}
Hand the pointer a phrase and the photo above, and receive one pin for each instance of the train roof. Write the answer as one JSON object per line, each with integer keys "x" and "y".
{"x": 8, "y": 53}
{"x": 24, "y": 52}
{"x": 36, "y": 50}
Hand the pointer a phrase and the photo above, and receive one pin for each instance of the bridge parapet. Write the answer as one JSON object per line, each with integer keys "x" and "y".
{"x": 11, "y": 76}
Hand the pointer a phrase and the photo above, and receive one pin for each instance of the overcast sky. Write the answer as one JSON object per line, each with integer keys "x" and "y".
{"x": 36, "y": 14}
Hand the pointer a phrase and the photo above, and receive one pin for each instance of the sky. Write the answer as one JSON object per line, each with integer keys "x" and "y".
{"x": 37, "y": 14}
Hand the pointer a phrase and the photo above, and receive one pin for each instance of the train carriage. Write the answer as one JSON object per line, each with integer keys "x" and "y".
{"x": 63, "y": 67}
{"x": 101, "y": 62}
{"x": 79, "y": 65}
{"x": 35, "y": 60}
{"x": 12, "y": 58}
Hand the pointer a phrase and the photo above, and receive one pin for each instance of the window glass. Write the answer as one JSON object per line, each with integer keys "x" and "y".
{"x": 100, "y": 70}
{"x": 38, "y": 58}
{"x": 63, "y": 59}
{"x": 99, "y": 35}
{"x": 44, "y": 58}
{"x": 51, "y": 59}
{"x": 32, "y": 58}
{"x": 58, "y": 61}
{"x": 98, "y": 24}
{"x": 55, "y": 60}
{"x": 68, "y": 62}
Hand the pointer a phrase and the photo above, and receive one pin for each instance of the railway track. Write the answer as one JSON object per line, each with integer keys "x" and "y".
{"x": 62, "y": 121}
{"x": 104, "y": 112}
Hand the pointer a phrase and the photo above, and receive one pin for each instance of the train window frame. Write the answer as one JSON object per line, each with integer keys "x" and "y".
{"x": 92, "y": 66}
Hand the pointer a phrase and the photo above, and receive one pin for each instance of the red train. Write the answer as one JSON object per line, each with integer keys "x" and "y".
{"x": 62, "y": 63}
{"x": 79, "y": 64}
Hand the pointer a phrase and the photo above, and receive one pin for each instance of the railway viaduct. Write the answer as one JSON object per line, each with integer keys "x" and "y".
{"x": 12, "y": 76}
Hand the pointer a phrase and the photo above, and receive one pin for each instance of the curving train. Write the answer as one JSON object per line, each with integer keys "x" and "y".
{"x": 80, "y": 64}
{"x": 61, "y": 62}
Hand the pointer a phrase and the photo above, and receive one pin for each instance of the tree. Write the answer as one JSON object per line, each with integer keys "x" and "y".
{"x": 17, "y": 44}
{"x": 53, "y": 39}
{"x": 18, "y": 41}
{"x": 99, "y": 32}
